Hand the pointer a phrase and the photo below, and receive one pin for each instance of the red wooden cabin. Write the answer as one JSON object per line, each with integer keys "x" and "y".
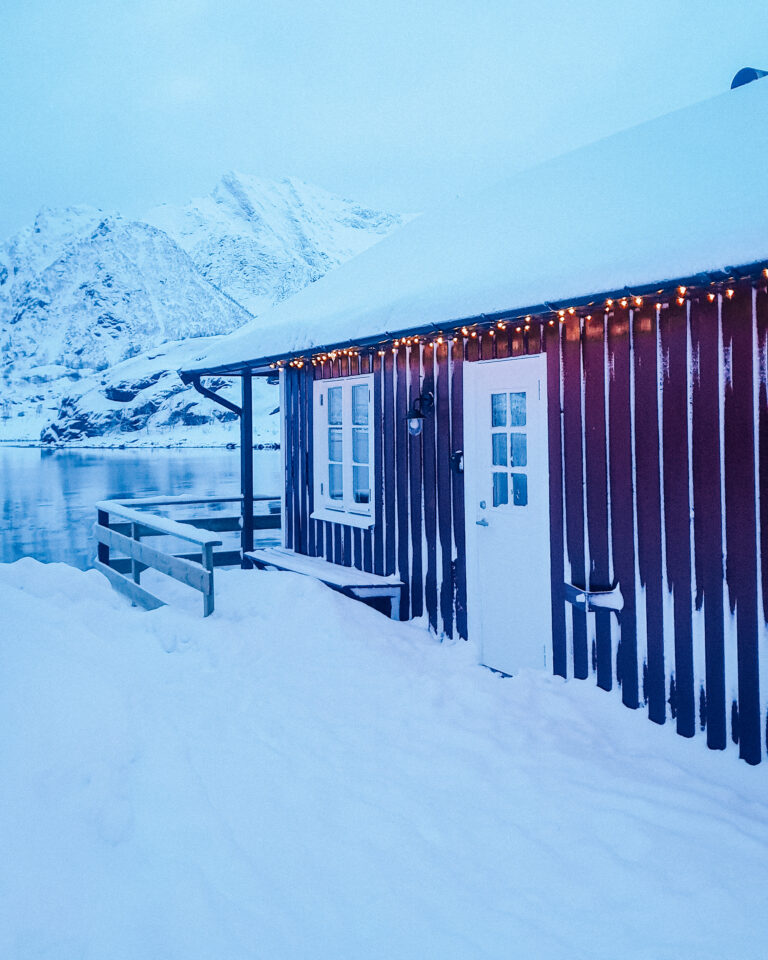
{"x": 543, "y": 410}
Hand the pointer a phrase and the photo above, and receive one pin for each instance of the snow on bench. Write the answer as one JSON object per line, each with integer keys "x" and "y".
{"x": 349, "y": 580}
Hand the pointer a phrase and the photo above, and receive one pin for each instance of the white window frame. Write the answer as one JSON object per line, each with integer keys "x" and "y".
{"x": 344, "y": 511}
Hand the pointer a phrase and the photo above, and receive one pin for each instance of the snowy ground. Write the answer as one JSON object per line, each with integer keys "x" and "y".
{"x": 298, "y": 777}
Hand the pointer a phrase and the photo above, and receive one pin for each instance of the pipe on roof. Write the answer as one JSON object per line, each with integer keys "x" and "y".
{"x": 747, "y": 75}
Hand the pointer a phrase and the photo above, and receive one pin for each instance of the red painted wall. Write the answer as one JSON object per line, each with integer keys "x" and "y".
{"x": 663, "y": 413}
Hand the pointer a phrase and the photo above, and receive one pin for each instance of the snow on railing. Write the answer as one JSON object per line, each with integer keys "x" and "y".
{"x": 134, "y": 524}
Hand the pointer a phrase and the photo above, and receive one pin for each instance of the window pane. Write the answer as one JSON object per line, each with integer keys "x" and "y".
{"x": 361, "y": 487}
{"x": 498, "y": 409}
{"x": 520, "y": 489}
{"x": 359, "y": 445}
{"x": 334, "y": 405}
{"x": 499, "y": 449}
{"x": 518, "y": 450}
{"x": 334, "y": 444}
{"x": 500, "y": 489}
{"x": 360, "y": 404}
{"x": 335, "y": 483}
{"x": 517, "y": 409}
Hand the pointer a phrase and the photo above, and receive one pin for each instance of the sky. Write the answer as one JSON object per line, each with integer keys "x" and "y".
{"x": 396, "y": 103}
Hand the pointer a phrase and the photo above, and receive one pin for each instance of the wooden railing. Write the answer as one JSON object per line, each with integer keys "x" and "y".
{"x": 133, "y": 524}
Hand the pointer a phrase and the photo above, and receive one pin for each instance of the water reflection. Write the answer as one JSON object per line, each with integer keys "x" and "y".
{"x": 48, "y": 496}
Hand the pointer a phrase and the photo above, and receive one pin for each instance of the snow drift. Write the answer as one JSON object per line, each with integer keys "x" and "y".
{"x": 297, "y": 776}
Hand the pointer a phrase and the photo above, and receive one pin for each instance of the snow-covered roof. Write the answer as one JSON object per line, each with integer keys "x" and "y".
{"x": 681, "y": 195}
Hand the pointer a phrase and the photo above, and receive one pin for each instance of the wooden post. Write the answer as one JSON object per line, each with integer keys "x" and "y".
{"x": 207, "y": 559}
{"x": 102, "y": 550}
{"x": 246, "y": 467}
{"x": 136, "y": 567}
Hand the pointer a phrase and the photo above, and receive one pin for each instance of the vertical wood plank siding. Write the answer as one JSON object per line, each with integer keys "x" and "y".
{"x": 414, "y": 492}
{"x": 740, "y": 514}
{"x": 443, "y": 454}
{"x": 622, "y": 517}
{"x": 459, "y": 531}
{"x": 573, "y": 468}
{"x": 430, "y": 492}
{"x": 648, "y": 495}
{"x": 658, "y": 458}
{"x": 673, "y": 326}
{"x": 707, "y": 511}
{"x": 556, "y": 527}
{"x": 401, "y": 478}
{"x": 595, "y": 451}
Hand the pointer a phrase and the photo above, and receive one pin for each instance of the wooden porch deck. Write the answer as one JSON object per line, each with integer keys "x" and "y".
{"x": 347, "y": 580}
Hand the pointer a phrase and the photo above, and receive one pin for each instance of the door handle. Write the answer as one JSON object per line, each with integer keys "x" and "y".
{"x": 481, "y": 523}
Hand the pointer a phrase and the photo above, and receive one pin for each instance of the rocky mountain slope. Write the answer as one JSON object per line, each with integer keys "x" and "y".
{"x": 97, "y": 311}
{"x": 261, "y": 240}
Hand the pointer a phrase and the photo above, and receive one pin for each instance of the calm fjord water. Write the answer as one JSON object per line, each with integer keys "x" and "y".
{"x": 48, "y": 496}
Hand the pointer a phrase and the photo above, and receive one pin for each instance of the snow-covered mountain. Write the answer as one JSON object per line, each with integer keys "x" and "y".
{"x": 98, "y": 311}
{"x": 262, "y": 240}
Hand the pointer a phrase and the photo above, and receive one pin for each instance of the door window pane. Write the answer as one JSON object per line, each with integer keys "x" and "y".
{"x": 500, "y": 489}
{"x": 517, "y": 409}
{"x": 518, "y": 450}
{"x": 520, "y": 489}
{"x": 334, "y": 405}
{"x": 334, "y": 444}
{"x": 335, "y": 482}
{"x": 498, "y": 409}
{"x": 359, "y": 445}
{"x": 360, "y": 404}
{"x": 499, "y": 449}
{"x": 361, "y": 487}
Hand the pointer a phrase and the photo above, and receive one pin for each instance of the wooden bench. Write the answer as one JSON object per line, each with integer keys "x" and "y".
{"x": 347, "y": 580}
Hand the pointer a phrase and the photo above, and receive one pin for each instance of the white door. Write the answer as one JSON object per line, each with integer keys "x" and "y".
{"x": 507, "y": 511}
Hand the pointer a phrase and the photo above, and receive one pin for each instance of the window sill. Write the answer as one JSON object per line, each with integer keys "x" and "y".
{"x": 340, "y": 516}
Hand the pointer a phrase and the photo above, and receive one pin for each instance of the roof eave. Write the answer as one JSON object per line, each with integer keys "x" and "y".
{"x": 262, "y": 366}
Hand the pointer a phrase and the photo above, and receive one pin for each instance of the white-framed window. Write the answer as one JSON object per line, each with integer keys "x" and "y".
{"x": 342, "y": 413}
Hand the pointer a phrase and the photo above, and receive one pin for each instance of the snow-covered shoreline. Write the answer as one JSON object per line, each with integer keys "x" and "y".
{"x": 140, "y": 443}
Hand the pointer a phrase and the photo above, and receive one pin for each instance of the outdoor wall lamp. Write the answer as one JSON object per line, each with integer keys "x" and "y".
{"x": 416, "y": 415}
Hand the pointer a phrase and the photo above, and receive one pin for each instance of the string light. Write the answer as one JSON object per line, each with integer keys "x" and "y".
{"x": 521, "y": 325}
